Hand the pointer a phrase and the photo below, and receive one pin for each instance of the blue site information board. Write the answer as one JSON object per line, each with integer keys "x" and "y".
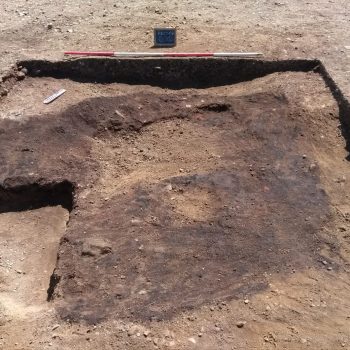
{"x": 164, "y": 37}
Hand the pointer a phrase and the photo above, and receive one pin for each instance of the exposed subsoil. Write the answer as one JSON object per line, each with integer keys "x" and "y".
{"x": 209, "y": 218}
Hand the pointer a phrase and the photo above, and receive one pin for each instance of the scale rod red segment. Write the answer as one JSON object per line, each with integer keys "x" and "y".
{"x": 90, "y": 53}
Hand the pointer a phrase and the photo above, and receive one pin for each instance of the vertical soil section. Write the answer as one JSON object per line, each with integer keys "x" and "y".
{"x": 167, "y": 73}
{"x": 16, "y": 194}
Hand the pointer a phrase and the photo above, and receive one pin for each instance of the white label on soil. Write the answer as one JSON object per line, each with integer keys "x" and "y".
{"x": 54, "y": 96}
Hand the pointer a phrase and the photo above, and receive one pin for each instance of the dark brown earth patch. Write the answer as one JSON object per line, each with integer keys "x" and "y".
{"x": 212, "y": 235}
{"x": 216, "y": 107}
{"x": 163, "y": 262}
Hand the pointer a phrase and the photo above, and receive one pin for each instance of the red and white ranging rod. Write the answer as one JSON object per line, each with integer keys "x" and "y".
{"x": 164, "y": 54}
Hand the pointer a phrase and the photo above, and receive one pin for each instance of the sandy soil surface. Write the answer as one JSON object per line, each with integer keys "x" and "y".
{"x": 159, "y": 175}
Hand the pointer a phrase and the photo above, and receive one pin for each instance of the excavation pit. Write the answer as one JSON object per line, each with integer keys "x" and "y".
{"x": 195, "y": 180}
{"x": 17, "y": 194}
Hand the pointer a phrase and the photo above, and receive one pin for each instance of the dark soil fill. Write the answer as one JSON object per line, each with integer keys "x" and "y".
{"x": 176, "y": 238}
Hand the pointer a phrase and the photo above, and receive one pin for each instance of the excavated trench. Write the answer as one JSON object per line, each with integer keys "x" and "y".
{"x": 165, "y": 73}
{"x": 21, "y": 197}
{"x": 28, "y": 200}
{"x": 191, "y": 179}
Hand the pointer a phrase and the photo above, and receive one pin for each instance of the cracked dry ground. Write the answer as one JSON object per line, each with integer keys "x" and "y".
{"x": 192, "y": 212}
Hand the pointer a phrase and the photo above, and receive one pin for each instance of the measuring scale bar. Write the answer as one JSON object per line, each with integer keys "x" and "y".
{"x": 54, "y": 96}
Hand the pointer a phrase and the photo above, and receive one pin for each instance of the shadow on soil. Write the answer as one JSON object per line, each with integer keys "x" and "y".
{"x": 17, "y": 195}
{"x": 166, "y": 73}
